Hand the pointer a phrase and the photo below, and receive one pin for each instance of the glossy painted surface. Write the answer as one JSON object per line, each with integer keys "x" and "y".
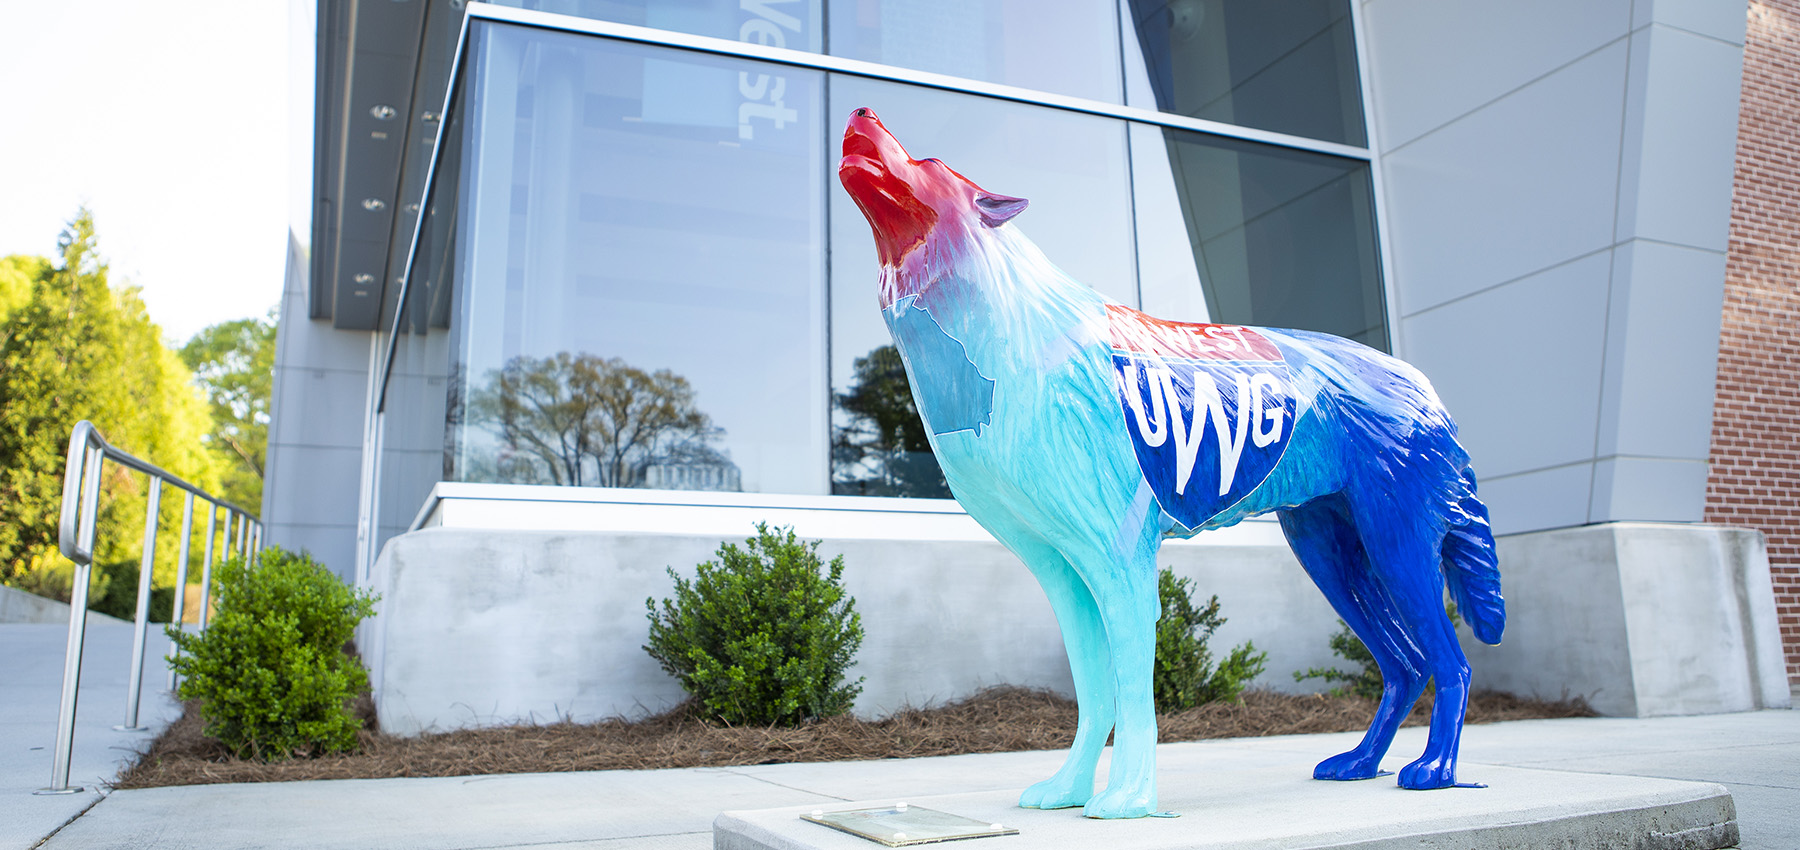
{"x": 1030, "y": 386}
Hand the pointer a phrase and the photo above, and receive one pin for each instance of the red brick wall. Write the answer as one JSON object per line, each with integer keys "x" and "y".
{"x": 1755, "y": 477}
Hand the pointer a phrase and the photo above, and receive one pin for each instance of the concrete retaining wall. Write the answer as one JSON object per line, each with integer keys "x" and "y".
{"x": 480, "y": 627}
{"x": 17, "y": 606}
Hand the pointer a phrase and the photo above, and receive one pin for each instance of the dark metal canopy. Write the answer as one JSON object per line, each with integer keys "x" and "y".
{"x": 381, "y": 73}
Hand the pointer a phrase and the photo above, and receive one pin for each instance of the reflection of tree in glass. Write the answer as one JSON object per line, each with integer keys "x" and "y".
{"x": 882, "y": 450}
{"x": 583, "y": 420}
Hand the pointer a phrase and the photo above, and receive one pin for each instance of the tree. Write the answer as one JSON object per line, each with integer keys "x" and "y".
{"x": 81, "y": 349}
{"x": 583, "y": 420}
{"x": 16, "y": 274}
{"x": 883, "y": 450}
{"x": 234, "y": 364}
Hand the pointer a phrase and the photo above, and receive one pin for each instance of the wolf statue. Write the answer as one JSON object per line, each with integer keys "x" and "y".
{"x": 1082, "y": 433}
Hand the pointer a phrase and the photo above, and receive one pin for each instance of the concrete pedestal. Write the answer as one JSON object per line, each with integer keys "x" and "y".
{"x": 1643, "y": 619}
{"x": 1278, "y": 806}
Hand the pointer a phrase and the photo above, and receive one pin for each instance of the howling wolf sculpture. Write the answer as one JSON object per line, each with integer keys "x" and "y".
{"x": 1081, "y": 433}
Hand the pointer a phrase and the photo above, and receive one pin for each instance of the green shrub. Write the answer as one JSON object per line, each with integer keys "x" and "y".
{"x": 1365, "y": 680}
{"x": 1185, "y": 676}
{"x": 270, "y": 669}
{"x": 760, "y": 637}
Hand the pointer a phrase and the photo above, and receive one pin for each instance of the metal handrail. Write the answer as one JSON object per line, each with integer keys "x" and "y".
{"x": 88, "y": 450}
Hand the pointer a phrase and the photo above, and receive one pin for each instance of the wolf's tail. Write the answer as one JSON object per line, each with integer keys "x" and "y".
{"x": 1470, "y": 567}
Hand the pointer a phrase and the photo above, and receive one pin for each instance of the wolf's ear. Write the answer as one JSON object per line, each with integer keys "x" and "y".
{"x": 998, "y": 209}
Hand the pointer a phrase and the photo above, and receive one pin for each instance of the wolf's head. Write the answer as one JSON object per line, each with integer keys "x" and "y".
{"x": 910, "y": 202}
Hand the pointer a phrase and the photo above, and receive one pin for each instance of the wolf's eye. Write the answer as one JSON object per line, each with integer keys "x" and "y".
{"x": 932, "y": 159}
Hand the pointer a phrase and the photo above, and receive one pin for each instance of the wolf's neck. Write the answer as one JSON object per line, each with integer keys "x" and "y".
{"x": 997, "y": 266}
{"x": 997, "y": 290}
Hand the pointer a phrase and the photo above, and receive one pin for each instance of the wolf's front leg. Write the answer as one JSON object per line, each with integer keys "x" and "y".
{"x": 1084, "y": 639}
{"x": 1130, "y": 613}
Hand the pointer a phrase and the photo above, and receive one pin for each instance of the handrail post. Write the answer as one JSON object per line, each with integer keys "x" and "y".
{"x": 181, "y": 570}
{"x": 212, "y": 519}
{"x": 229, "y": 535}
{"x": 141, "y": 624}
{"x": 87, "y": 495}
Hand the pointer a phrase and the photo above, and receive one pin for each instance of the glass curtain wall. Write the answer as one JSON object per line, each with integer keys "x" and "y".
{"x": 1289, "y": 66}
{"x": 643, "y": 256}
{"x": 638, "y": 270}
{"x": 1278, "y": 237}
{"x": 794, "y": 24}
{"x": 420, "y": 403}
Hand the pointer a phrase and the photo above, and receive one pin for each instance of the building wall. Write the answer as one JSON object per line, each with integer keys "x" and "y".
{"x": 311, "y": 482}
{"x": 1557, "y": 179}
{"x": 1755, "y": 480}
{"x": 310, "y": 479}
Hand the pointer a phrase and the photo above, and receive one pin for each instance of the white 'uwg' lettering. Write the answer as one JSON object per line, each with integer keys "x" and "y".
{"x": 1259, "y": 418}
{"x": 1263, "y": 388}
{"x": 1156, "y": 428}
{"x": 1208, "y": 404}
{"x": 765, "y": 28}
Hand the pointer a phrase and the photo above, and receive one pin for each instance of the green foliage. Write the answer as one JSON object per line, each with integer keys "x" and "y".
{"x": 234, "y": 364}
{"x": 79, "y": 348}
{"x": 760, "y": 637}
{"x": 270, "y": 669}
{"x": 17, "y": 271}
{"x": 114, "y": 592}
{"x": 1365, "y": 679}
{"x": 1185, "y": 676}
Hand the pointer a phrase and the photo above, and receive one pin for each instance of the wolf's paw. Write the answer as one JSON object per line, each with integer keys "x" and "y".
{"x": 1121, "y": 803}
{"x": 1057, "y": 792}
{"x": 1427, "y": 773}
{"x": 1349, "y": 766}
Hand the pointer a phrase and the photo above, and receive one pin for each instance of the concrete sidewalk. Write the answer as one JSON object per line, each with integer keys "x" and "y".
{"x": 31, "y": 670}
{"x": 1757, "y": 755}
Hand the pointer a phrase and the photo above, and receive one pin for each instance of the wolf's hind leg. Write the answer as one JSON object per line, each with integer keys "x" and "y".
{"x": 1090, "y": 662}
{"x": 1407, "y": 560}
{"x": 1325, "y": 541}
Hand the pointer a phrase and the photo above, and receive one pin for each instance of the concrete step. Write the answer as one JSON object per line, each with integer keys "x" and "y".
{"x": 1280, "y": 806}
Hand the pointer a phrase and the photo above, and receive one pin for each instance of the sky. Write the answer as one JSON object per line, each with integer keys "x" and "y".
{"x": 172, "y": 123}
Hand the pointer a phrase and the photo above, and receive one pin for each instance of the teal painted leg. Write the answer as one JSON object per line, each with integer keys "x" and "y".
{"x": 1130, "y": 615}
{"x": 1084, "y": 638}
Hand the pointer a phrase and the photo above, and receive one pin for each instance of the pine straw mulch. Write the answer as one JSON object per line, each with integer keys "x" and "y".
{"x": 993, "y": 721}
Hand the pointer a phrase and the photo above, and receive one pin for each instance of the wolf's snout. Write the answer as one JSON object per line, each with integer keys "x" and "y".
{"x": 863, "y": 112}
